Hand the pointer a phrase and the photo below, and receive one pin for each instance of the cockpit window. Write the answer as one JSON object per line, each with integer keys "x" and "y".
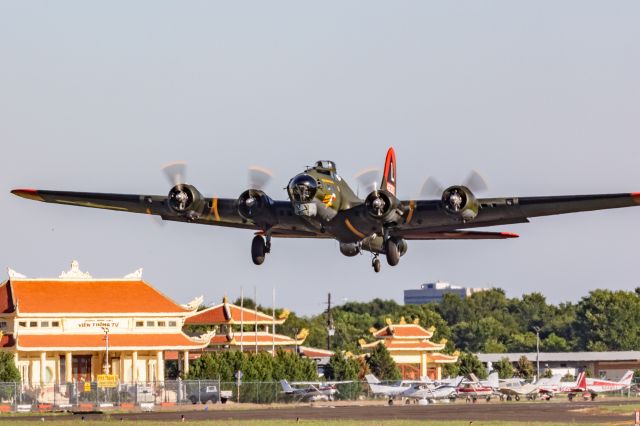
{"x": 326, "y": 164}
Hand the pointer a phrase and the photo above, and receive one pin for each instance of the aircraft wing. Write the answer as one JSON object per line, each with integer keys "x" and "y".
{"x": 428, "y": 220}
{"x": 210, "y": 211}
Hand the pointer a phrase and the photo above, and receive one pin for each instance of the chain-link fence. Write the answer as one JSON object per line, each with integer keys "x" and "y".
{"x": 88, "y": 395}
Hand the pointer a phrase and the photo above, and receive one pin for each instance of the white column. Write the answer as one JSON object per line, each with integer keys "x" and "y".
{"x": 134, "y": 362}
{"x": 160, "y": 366}
{"x": 68, "y": 365}
{"x": 43, "y": 362}
{"x": 185, "y": 368}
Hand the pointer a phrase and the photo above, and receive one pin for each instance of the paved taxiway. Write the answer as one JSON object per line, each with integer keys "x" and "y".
{"x": 578, "y": 412}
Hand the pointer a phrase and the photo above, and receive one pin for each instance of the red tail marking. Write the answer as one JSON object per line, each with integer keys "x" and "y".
{"x": 582, "y": 381}
{"x": 389, "y": 177}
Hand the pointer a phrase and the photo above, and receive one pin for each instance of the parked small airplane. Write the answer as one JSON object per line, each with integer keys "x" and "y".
{"x": 428, "y": 394}
{"x": 473, "y": 389}
{"x": 322, "y": 205}
{"x": 390, "y": 391}
{"x": 314, "y": 391}
{"x": 594, "y": 387}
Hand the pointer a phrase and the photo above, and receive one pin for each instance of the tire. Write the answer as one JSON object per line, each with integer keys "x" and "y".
{"x": 390, "y": 402}
{"x": 223, "y": 400}
{"x": 258, "y": 249}
{"x": 517, "y": 397}
{"x": 193, "y": 399}
{"x": 393, "y": 254}
{"x": 376, "y": 265}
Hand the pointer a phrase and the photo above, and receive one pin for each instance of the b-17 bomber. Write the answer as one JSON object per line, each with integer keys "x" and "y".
{"x": 322, "y": 205}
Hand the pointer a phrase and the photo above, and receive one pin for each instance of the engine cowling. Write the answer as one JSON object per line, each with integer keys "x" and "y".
{"x": 349, "y": 249}
{"x": 253, "y": 203}
{"x": 383, "y": 206}
{"x": 186, "y": 200}
{"x": 460, "y": 201}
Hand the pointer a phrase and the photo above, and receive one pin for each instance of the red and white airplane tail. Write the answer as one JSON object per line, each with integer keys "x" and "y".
{"x": 389, "y": 173}
{"x": 581, "y": 381}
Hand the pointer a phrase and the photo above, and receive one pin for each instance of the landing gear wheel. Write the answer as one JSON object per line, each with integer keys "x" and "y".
{"x": 393, "y": 254}
{"x": 376, "y": 264}
{"x": 258, "y": 250}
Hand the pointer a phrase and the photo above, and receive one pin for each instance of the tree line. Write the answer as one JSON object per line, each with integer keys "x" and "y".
{"x": 488, "y": 322}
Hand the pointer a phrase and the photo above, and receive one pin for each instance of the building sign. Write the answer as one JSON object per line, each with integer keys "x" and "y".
{"x": 107, "y": 380}
{"x": 95, "y": 324}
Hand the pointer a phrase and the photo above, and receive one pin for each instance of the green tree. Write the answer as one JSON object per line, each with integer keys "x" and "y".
{"x": 504, "y": 368}
{"x": 524, "y": 368}
{"x": 554, "y": 343}
{"x": 469, "y": 363}
{"x": 382, "y": 364}
{"x": 8, "y": 370}
{"x": 608, "y": 320}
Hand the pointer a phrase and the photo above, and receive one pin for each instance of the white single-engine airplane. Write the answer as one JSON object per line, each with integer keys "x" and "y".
{"x": 314, "y": 391}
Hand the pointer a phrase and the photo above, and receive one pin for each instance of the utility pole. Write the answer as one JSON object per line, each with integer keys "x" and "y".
{"x": 537, "y": 330}
{"x": 330, "y": 328}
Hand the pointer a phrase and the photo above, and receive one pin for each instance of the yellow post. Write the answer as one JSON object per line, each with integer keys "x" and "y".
{"x": 160, "y": 366}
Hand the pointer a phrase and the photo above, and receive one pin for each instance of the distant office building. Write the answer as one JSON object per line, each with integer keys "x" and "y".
{"x": 434, "y": 292}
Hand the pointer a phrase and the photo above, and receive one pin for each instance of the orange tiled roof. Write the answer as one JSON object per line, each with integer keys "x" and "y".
{"x": 96, "y": 341}
{"x": 250, "y": 338}
{"x": 6, "y": 301}
{"x": 89, "y": 296}
{"x": 315, "y": 352}
{"x": 404, "y": 331}
{"x": 7, "y": 341}
{"x": 439, "y": 358}
{"x": 227, "y": 313}
{"x": 423, "y": 345}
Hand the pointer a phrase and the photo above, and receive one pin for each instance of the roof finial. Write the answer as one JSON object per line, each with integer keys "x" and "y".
{"x": 75, "y": 272}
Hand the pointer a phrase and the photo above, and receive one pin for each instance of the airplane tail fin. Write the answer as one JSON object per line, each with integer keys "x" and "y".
{"x": 493, "y": 380}
{"x": 626, "y": 379}
{"x": 555, "y": 379}
{"x": 581, "y": 381}
{"x": 371, "y": 379}
{"x": 286, "y": 387}
{"x": 389, "y": 174}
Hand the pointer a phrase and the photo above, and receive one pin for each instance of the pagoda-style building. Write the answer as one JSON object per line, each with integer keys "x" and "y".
{"x": 231, "y": 320}
{"x": 411, "y": 348}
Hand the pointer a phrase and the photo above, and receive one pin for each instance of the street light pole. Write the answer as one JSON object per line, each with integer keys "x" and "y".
{"x": 106, "y": 339}
{"x": 537, "y": 330}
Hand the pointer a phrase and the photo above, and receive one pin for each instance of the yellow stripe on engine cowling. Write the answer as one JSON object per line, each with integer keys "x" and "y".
{"x": 353, "y": 229}
{"x": 412, "y": 206}
{"x": 214, "y": 209}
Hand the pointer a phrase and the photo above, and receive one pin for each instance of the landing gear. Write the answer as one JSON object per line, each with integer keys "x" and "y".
{"x": 393, "y": 253}
{"x": 259, "y": 248}
{"x": 376, "y": 264}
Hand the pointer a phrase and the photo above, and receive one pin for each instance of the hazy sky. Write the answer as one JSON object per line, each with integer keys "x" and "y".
{"x": 542, "y": 97}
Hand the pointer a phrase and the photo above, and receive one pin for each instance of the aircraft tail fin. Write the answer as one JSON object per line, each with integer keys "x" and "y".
{"x": 286, "y": 387}
{"x": 626, "y": 379}
{"x": 371, "y": 379}
{"x": 493, "y": 380}
{"x": 389, "y": 174}
{"x": 581, "y": 381}
{"x": 555, "y": 379}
